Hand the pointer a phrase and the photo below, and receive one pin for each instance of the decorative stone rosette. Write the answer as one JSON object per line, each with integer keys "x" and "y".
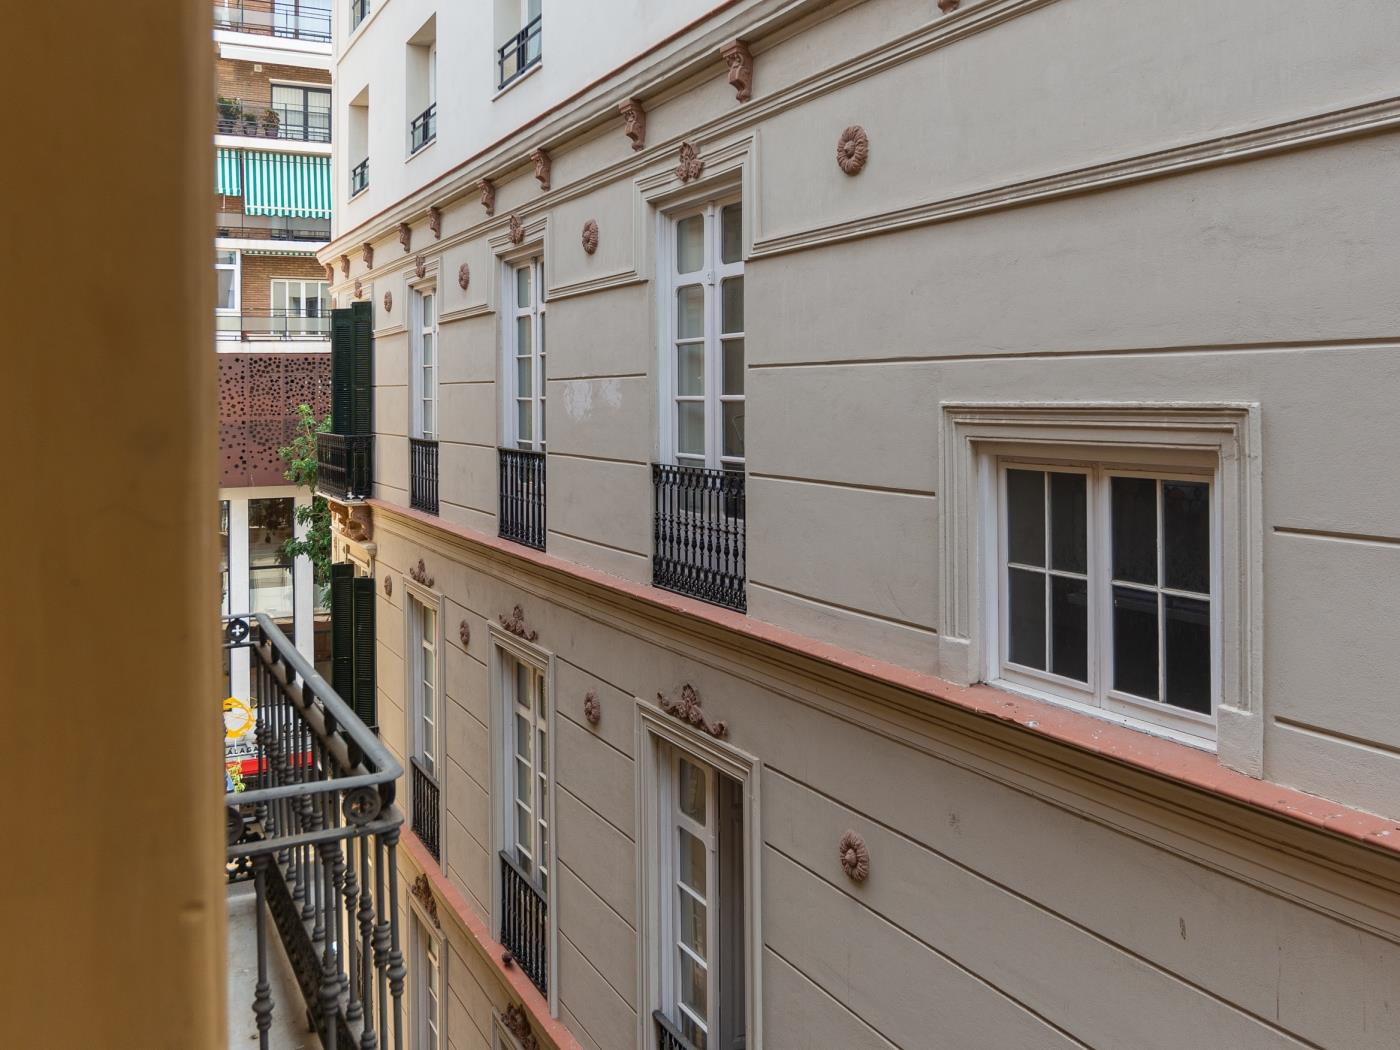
{"x": 855, "y": 857}
{"x": 853, "y": 149}
{"x": 590, "y": 236}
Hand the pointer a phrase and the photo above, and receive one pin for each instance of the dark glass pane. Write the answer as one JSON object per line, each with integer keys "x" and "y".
{"x": 1069, "y": 628}
{"x": 1135, "y": 641}
{"x": 1068, "y": 515}
{"x": 1186, "y": 535}
{"x": 1135, "y": 529}
{"x": 1025, "y": 593}
{"x": 1188, "y": 653}
{"x": 1025, "y": 521}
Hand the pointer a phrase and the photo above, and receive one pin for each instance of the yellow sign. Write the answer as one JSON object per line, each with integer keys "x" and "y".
{"x": 238, "y": 718}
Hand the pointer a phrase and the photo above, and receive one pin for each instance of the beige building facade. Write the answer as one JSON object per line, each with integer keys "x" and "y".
{"x": 1019, "y": 671}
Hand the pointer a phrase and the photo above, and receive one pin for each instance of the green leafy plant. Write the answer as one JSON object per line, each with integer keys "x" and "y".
{"x": 230, "y": 109}
{"x": 300, "y": 457}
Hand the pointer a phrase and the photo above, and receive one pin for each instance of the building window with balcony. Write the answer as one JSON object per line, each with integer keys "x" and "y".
{"x": 420, "y": 86}
{"x": 357, "y": 149}
{"x": 427, "y": 983}
{"x": 525, "y": 816}
{"x": 700, "y": 878}
{"x": 518, "y": 33}
{"x": 699, "y": 485}
{"x": 424, "y": 715}
{"x": 300, "y": 308}
{"x": 226, "y": 271}
{"x": 423, "y": 446}
{"x": 302, "y": 113}
{"x": 522, "y": 460}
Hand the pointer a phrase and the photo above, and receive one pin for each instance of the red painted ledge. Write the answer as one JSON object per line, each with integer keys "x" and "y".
{"x": 513, "y": 976}
{"x": 1164, "y": 758}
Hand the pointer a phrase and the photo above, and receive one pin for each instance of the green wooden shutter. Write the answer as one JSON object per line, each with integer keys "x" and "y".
{"x": 342, "y": 630}
{"x": 362, "y": 372}
{"x": 342, "y": 369}
{"x": 365, "y": 702}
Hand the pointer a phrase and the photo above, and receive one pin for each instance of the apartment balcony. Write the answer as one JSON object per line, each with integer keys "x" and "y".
{"x": 422, "y": 129}
{"x": 426, "y": 807}
{"x": 522, "y": 516}
{"x": 288, "y": 19}
{"x": 423, "y": 474}
{"x": 517, "y": 55}
{"x": 359, "y": 177}
{"x": 698, "y": 529}
{"x": 668, "y": 1036}
{"x": 253, "y": 325}
{"x": 312, "y": 826}
{"x": 524, "y": 922}
{"x": 344, "y": 466}
{"x": 267, "y": 119}
{"x": 231, "y": 226}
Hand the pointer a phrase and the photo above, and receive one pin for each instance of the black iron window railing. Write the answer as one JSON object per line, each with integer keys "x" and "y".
{"x": 422, "y": 129}
{"x": 359, "y": 11}
{"x": 524, "y": 923}
{"x": 344, "y": 465}
{"x": 519, "y": 53}
{"x": 311, "y": 821}
{"x": 284, "y": 18}
{"x": 425, "y": 810}
{"x": 698, "y": 527}
{"x": 302, "y": 121}
{"x": 423, "y": 474}
{"x": 668, "y": 1036}
{"x": 359, "y": 177}
{"x": 522, "y": 497}
{"x": 272, "y": 324}
{"x": 228, "y": 225}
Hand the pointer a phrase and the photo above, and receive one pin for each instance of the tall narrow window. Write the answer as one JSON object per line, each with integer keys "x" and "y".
{"x": 527, "y": 342}
{"x": 1108, "y": 593}
{"x": 706, "y": 334}
{"x": 226, "y": 270}
{"x": 425, "y": 363}
{"x": 420, "y": 85}
{"x": 427, "y": 977}
{"x": 425, "y": 739}
{"x": 271, "y": 586}
{"x": 703, "y": 984}
{"x": 530, "y": 757}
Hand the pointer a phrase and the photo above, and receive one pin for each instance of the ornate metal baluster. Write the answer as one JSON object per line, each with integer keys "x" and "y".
{"x": 262, "y": 994}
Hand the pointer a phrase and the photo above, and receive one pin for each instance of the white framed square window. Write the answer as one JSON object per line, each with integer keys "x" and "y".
{"x": 427, "y": 982}
{"x": 226, "y": 269}
{"x": 702, "y": 311}
{"x": 700, "y": 847}
{"x": 524, "y": 386}
{"x": 423, "y": 342}
{"x": 1107, "y": 557}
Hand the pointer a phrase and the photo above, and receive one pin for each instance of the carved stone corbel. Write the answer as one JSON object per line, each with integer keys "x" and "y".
{"x": 634, "y": 122}
{"x": 517, "y": 1023}
{"x": 736, "y": 55}
{"x": 330, "y": 271}
{"x": 517, "y": 230}
{"x": 419, "y": 574}
{"x": 691, "y": 166}
{"x": 687, "y": 709}
{"x": 345, "y": 266}
{"x": 422, "y": 891}
{"x": 515, "y": 624}
{"x": 367, "y": 254}
{"x": 420, "y": 266}
{"x": 406, "y": 237}
{"x": 542, "y": 167}
{"x": 488, "y": 195}
{"x": 354, "y": 523}
{"x": 948, "y": 6}
{"x": 435, "y": 221}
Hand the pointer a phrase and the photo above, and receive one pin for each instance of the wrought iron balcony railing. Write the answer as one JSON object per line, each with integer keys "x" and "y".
{"x": 423, "y": 474}
{"x": 519, "y": 53}
{"x": 315, "y": 828}
{"x": 698, "y": 528}
{"x": 422, "y": 129}
{"x": 425, "y": 811}
{"x": 249, "y": 227}
{"x": 668, "y": 1036}
{"x": 522, "y": 497}
{"x": 359, "y": 177}
{"x": 284, "y": 18}
{"x": 344, "y": 466}
{"x": 524, "y": 923}
{"x": 249, "y": 325}
{"x": 265, "y": 119}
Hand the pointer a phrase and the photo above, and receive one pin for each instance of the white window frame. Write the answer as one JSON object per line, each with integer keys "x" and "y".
{"x": 424, "y": 375}
{"x": 507, "y": 650}
{"x": 418, "y": 649}
{"x": 712, "y": 273}
{"x": 537, "y": 352}
{"x": 1097, "y": 695}
{"x": 660, "y": 740}
{"x": 1222, "y": 438}
{"x": 323, "y": 296}
{"x": 236, "y": 268}
{"x": 428, "y": 945}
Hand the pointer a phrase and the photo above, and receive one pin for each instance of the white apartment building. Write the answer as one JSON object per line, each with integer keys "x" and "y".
{"x": 934, "y": 584}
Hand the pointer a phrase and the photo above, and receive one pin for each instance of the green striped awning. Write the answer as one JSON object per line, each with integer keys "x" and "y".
{"x": 228, "y": 166}
{"x": 286, "y": 184}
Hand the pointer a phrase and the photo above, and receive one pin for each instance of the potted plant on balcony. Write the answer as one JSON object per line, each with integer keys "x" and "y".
{"x": 271, "y": 122}
{"x": 230, "y": 114}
